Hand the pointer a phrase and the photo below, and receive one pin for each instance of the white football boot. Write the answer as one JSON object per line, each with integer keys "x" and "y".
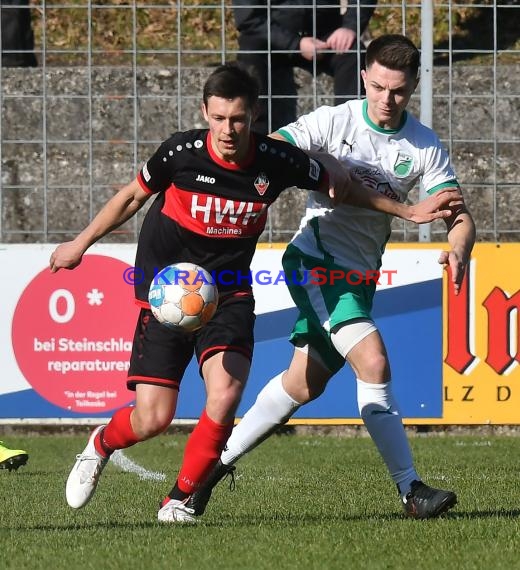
{"x": 84, "y": 476}
{"x": 175, "y": 511}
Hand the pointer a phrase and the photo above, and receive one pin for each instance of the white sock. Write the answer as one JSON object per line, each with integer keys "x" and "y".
{"x": 273, "y": 407}
{"x": 382, "y": 419}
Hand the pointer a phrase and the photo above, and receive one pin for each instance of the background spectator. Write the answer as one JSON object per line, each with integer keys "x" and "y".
{"x": 331, "y": 44}
{"x": 17, "y": 34}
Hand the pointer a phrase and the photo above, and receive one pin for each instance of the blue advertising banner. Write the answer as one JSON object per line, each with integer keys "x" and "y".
{"x": 67, "y": 336}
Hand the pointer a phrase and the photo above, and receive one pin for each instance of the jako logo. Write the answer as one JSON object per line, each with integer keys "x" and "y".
{"x": 206, "y": 179}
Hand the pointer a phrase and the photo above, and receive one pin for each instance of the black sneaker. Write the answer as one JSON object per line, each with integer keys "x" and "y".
{"x": 201, "y": 497}
{"x": 423, "y": 502}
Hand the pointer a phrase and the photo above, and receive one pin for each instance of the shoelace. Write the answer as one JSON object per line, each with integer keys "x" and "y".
{"x": 84, "y": 457}
{"x": 92, "y": 476}
{"x": 171, "y": 507}
{"x": 182, "y": 506}
{"x": 231, "y": 473}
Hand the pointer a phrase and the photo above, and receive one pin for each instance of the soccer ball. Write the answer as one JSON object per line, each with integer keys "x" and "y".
{"x": 183, "y": 295}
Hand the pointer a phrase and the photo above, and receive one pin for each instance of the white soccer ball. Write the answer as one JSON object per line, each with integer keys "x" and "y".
{"x": 183, "y": 295}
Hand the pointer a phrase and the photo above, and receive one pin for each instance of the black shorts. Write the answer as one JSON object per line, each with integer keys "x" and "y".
{"x": 161, "y": 355}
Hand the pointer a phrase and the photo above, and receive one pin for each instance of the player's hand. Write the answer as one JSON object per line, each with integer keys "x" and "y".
{"x": 437, "y": 206}
{"x": 68, "y": 255}
{"x": 340, "y": 178}
{"x": 341, "y": 40}
{"x": 340, "y": 189}
{"x": 309, "y": 48}
{"x": 457, "y": 266}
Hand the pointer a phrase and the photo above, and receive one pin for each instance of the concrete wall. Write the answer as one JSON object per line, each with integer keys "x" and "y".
{"x": 68, "y": 142}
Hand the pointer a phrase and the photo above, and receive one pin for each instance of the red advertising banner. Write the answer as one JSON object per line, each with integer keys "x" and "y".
{"x": 72, "y": 335}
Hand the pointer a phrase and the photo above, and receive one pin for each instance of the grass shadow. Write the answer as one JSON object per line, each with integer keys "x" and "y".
{"x": 488, "y": 514}
{"x": 294, "y": 519}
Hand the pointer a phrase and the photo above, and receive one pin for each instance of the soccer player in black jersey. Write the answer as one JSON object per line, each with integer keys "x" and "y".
{"x": 212, "y": 190}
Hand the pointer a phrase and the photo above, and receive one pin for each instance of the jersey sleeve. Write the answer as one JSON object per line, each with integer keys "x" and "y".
{"x": 155, "y": 175}
{"x": 438, "y": 171}
{"x": 311, "y": 131}
{"x": 302, "y": 171}
{"x": 315, "y": 177}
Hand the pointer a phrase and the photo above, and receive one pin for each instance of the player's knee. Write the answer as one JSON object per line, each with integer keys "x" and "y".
{"x": 375, "y": 368}
{"x": 222, "y": 405}
{"x": 305, "y": 392}
{"x": 308, "y": 394}
{"x": 152, "y": 423}
{"x": 305, "y": 385}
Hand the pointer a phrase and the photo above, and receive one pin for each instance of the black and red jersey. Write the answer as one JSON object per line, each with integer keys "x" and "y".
{"x": 211, "y": 212}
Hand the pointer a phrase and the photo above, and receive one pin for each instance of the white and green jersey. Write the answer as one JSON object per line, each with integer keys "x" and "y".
{"x": 391, "y": 161}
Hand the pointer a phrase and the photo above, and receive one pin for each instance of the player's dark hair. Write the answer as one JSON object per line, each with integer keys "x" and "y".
{"x": 230, "y": 81}
{"x": 396, "y": 52}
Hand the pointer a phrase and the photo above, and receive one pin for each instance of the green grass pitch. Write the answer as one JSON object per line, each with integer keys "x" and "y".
{"x": 302, "y": 502}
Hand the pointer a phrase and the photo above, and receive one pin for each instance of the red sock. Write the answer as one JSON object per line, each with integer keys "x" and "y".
{"x": 203, "y": 449}
{"x": 117, "y": 435}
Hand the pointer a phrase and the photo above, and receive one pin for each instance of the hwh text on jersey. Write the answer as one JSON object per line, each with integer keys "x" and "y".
{"x": 225, "y": 211}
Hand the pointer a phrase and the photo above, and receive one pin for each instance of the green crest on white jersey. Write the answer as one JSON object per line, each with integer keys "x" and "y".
{"x": 403, "y": 165}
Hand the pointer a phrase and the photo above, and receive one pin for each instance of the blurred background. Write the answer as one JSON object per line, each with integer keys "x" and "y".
{"x": 89, "y": 89}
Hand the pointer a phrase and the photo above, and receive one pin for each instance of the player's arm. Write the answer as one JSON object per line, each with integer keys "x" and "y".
{"x": 276, "y": 135}
{"x": 461, "y": 237}
{"x": 347, "y": 189}
{"x": 120, "y": 208}
{"x": 434, "y": 207}
{"x": 344, "y": 188}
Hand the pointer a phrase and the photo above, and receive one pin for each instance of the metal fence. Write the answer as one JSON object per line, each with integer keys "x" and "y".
{"x": 114, "y": 78}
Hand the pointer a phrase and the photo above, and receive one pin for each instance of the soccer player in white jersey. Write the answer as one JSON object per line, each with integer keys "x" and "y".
{"x": 390, "y": 150}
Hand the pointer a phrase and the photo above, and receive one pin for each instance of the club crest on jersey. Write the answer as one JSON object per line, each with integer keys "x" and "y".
{"x": 403, "y": 165}
{"x": 261, "y": 183}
